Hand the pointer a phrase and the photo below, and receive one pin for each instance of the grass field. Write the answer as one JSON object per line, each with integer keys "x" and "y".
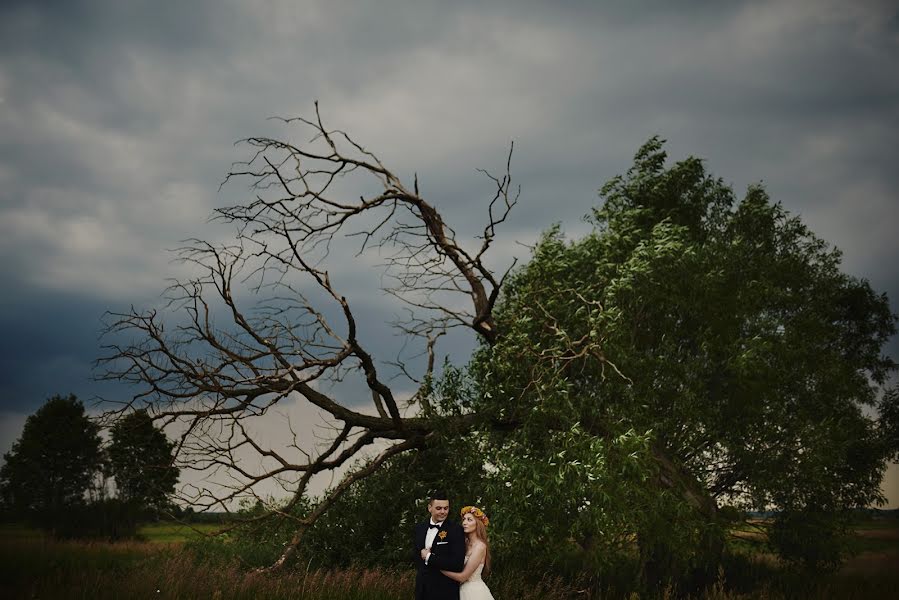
{"x": 164, "y": 533}
{"x": 159, "y": 566}
{"x": 174, "y": 532}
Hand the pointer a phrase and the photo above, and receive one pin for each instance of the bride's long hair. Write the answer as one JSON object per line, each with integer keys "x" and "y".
{"x": 480, "y": 531}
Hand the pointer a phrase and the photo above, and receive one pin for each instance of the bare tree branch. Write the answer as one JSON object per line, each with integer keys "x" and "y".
{"x": 261, "y": 321}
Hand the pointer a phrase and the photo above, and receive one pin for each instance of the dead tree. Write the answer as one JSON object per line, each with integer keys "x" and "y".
{"x": 288, "y": 326}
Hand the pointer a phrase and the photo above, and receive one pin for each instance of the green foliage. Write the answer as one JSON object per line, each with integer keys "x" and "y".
{"x": 140, "y": 460}
{"x": 691, "y": 348}
{"x": 811, "y": 541}
{"x": 105, "y": 518}
{"x": 53, "y": 465}
{"x": 53, "y": 475}
{"x": 372, "y": 523}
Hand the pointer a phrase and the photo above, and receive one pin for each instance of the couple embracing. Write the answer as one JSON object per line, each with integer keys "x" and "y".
{"x": 451, "y": 557}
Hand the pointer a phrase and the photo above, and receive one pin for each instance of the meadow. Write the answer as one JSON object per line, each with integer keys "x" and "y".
{"x": 162, "y": 565}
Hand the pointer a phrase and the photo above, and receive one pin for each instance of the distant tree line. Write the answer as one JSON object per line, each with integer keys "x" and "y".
{"x": 62, "y": 478}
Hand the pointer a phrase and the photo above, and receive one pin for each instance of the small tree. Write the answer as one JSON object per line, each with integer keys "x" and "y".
{"x": 53, "y": 465}
{"x": 140, "y": 460}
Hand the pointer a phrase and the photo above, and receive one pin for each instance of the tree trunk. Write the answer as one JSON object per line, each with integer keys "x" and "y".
{"x": 658, "y": 563}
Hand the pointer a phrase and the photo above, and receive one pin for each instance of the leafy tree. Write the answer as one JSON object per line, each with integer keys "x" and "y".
{"x": 692, "y": 351}
{"x": 140, "y": 460}
{"x": 53, "y": 466}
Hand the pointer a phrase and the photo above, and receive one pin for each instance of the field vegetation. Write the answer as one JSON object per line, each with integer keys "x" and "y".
{"x": 172, "y": 560}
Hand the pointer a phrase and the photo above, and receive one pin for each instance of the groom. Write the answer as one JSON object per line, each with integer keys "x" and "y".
{"x": 439, "y": 544}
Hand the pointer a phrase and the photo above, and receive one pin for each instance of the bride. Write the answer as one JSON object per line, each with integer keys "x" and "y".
{"x": 477, "y": 556}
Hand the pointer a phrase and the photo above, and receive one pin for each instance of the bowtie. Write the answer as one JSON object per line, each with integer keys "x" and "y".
{"x": 433, "y": 526}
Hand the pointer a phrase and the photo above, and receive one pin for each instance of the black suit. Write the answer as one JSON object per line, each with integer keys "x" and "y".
{"x": 447, "y": 553}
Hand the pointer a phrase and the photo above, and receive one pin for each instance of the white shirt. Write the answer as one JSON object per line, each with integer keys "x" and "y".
{"x": 429, "y": 537}
{"x": 431, "y": 534}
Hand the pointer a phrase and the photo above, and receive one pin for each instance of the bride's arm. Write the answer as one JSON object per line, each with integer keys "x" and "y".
{"x": 477, "y": 557}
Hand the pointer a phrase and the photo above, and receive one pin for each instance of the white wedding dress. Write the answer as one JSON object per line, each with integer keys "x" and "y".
{"x": 475, "y": 588}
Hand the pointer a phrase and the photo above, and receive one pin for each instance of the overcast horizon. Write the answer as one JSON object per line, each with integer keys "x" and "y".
{"x": 118, "y": 123}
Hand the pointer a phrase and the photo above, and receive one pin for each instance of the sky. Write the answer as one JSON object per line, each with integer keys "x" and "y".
{"x": 118, "y": 123}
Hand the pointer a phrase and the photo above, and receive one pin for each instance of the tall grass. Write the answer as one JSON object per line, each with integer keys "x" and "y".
{"x": 69, "y": 570}
{"x": 42, "y": 568}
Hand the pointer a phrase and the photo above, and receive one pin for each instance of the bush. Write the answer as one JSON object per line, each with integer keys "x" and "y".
{"x": 814, "y": 541}
{"x": 110, "y": 519}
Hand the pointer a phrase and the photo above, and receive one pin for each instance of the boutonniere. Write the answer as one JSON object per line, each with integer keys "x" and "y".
{"x": 442, "y": 535}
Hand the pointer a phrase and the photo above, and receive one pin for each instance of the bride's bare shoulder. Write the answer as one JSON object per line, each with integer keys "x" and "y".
{"x": 479, "y": 546}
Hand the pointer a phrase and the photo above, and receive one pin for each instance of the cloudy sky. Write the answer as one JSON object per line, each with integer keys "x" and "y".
{"x": 118, "y": 122}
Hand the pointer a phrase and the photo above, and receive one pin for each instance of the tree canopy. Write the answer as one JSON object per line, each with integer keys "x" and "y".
{"x": 717, "y": 336}
{"x": 140, "y": 459}
{"x": 54, "y": 463}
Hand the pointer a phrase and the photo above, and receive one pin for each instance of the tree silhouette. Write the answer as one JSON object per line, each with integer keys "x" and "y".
{"x": 140, "y": 459}
{"x": 54, "y": 463}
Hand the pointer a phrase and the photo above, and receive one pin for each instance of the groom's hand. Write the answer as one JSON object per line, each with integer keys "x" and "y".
{"x": 424, "y": 553}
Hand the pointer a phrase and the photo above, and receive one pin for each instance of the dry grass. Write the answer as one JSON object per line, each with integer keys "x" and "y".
{"x": 42, "y": 569}
{"x": 69, "y": 570}
{"x": 35, "y": 567}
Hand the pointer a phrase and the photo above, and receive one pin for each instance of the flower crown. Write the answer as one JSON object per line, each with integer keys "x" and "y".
{"x": 478, "y": 514}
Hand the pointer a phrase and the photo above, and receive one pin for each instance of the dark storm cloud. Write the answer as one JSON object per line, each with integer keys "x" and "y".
{"x": 48, "y": 346}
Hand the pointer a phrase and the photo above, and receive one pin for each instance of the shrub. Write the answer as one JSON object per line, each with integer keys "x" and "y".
{"x": 814, "y": 541}
{"x": 109, "y": 519}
